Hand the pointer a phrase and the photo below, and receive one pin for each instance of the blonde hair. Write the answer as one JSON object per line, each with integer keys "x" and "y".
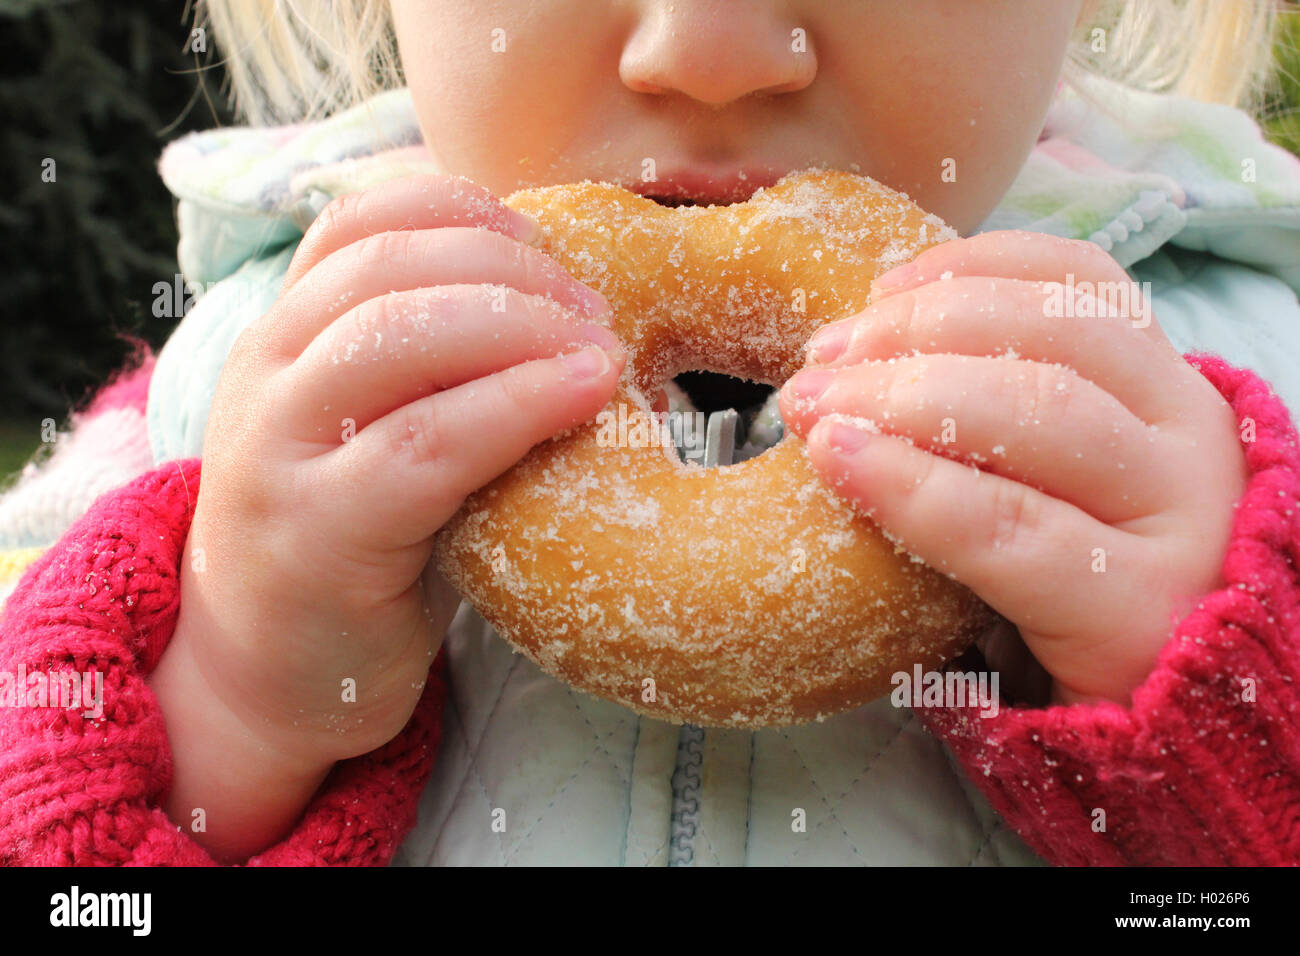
{"x": 291, "y": 60}
{"x": 1217, "y": 51}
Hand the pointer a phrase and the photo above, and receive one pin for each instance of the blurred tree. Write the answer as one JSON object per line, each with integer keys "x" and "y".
{"x": 90, "y": 93}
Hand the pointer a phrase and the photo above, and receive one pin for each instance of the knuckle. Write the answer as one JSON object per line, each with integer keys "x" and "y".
{"x": 525, "y": 261}
{"x": 1041, "y": 395}
{"x": 1012, "y": 515}
{"x": 517, "y": 387}
{"x": 526, "y": 267}
{"x": 902, "y": 386}
{"x": 925, "y": 474}
{"x": 1056, "y": 390}
{"x": 382, "y": 251}
{"x": 380, "y": 314}
{"x": 544, "y": 316}
{"x": 332, "y": 218}
{"x": 914, "y": 315}
{"x": 456, "y": 307}
{"x": 458, "y": 192}
{"x": 419, "y": 437}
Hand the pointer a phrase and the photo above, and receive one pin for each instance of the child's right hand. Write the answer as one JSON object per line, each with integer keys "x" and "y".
{"x": 407, "y": 362}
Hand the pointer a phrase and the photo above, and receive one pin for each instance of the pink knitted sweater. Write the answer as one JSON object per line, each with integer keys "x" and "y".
{"x": 1204, "y": 768}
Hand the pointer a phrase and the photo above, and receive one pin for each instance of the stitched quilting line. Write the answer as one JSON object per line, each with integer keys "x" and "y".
{"x": 826, "y": 803}
{"x": 749, "y": 802}
{"x": 703, "y": 831}
{"x": 666, "y": 842}
{"x": 871, "y": 762}
{"x": 663, "y": 844}
{"x": 970, "y": 803}
{"x": 599, "y": 748}
{"x": 636, "y": 742}
{"x": 577, "y": 704}
{"x": 505, "y": 860}
{"x": 460, "y": 727}
{"x": 980, "y": 851}
{"x": 471, "y": 752}
{"x": 473, "y": 762}
{"x": 574, "y": 776}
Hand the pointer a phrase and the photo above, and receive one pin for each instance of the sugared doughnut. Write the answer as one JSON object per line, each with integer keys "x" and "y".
{"x": 742, "y": 596}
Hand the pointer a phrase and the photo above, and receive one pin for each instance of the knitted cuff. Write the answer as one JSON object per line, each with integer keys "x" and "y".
{"x": 1204, "y": 768}
{"x": 83, "y": 784}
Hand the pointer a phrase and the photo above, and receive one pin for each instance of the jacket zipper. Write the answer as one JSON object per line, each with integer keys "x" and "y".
{"x": 686, "y": 784}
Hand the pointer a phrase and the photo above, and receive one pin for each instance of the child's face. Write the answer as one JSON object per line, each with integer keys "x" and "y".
{"x": 515, "y": 94}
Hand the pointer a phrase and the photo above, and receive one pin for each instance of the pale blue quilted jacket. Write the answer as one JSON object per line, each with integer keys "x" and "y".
{"x": 1184, "y": 195}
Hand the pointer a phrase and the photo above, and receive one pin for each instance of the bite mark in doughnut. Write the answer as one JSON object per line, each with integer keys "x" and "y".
{"x": 749, "y": 595}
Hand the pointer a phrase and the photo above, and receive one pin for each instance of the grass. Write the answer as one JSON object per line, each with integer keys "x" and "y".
{"x": 1283, "y": 127}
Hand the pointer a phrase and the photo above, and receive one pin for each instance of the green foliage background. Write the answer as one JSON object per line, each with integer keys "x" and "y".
{"x": 100, "y": 88}
{"x": 1283, "y": 111}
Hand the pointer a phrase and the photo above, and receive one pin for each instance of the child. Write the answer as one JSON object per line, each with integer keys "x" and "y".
{"x": 286, "y": 679}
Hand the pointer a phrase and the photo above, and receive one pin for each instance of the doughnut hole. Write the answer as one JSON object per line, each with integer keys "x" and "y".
{"x": 713, "y": 391}
{"x": 706, "y": 392}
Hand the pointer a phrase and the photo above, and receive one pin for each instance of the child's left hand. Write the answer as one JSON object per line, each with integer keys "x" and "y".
{"x": 1109, "y": 467}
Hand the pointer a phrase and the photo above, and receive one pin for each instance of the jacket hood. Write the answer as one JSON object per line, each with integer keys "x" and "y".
{"x": 1127, "y": 170}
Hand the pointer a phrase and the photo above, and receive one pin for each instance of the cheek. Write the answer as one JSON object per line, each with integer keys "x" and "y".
{"x": 972, "y": 145}
{"x": 954, "y": 106}
{"x": 496, "y": 101}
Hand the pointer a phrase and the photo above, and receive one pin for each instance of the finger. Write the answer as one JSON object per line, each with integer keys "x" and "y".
{"x": 418, "y": 463}
{"x": 410, "y": 203}
{"x": 980, "y": 315}
{"x": 1039, "y": 424}
{"x": 1073, "y": 267}
{"x": 394, "y": 261}
{"x": 1010, "y": 254}
{"x": 394, "y": 349}
{"x": 1029, "y": 556}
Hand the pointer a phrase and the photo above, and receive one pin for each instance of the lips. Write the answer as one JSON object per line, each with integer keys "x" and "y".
{"x": 701, "y": 187}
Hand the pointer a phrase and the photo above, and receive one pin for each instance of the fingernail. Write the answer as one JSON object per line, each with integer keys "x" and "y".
{"x": 809, "y": 384}
{"x": 828, "y": 344}
{"x": 591, "y": 362}
{"x": 524, "y": 228}
{"x": 845, "y": 439}
{"x": 894, "y": 278}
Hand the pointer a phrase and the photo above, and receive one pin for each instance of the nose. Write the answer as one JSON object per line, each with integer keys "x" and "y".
{"x": 717, "y": 51}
